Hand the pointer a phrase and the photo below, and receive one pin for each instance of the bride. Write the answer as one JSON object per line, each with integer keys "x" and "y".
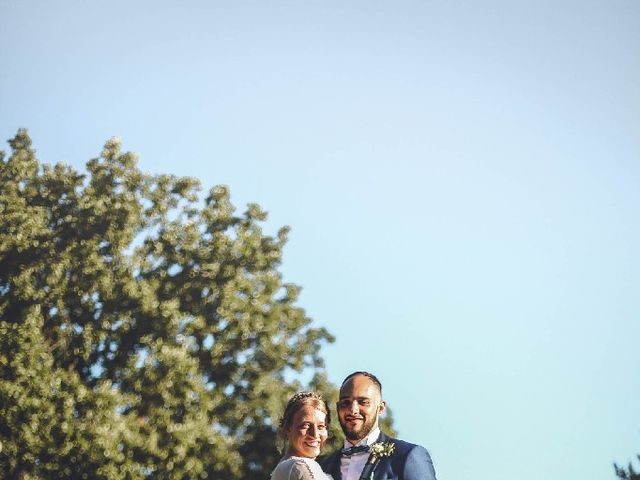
{"x": 303, "y": 427}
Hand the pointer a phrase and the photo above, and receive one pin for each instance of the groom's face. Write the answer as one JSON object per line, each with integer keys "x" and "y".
{"x": 359, "y": 407}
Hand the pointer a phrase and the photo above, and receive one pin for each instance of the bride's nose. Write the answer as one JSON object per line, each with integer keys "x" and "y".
{"x": 313, "y": 431}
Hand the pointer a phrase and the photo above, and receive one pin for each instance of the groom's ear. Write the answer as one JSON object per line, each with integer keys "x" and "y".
{"x": 382, "y": 407}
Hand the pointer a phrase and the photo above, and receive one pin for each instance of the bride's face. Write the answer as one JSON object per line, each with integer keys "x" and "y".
{"x": 307, "y": 433}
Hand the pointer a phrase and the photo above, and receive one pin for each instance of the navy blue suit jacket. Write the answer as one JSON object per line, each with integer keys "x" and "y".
{"x": 408, "y": 462}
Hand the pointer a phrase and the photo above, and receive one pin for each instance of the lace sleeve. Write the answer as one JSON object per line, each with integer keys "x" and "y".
{"x": 299, "y": 469}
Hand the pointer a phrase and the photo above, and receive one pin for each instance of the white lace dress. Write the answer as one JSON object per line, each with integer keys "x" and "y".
{"x": 299, "y": 468}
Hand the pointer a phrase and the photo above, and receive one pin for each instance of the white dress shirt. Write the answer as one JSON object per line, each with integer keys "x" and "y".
{"x": 351, "y": 467}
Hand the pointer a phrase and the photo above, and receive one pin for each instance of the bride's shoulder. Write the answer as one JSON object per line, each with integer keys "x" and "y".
{"x": 299, "y": 468}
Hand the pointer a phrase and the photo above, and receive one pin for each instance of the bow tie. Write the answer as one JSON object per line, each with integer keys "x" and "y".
{"x": 347, "y": 452}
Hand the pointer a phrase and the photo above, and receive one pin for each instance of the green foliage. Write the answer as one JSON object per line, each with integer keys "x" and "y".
{"x": 143, "y": 333}
{"x": 627, "y": 474}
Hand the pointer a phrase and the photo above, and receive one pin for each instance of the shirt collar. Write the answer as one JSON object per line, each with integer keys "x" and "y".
{"x": 368, "y": 440}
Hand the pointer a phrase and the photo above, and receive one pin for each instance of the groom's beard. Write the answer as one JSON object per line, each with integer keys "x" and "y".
{"x": 357, "y": 434}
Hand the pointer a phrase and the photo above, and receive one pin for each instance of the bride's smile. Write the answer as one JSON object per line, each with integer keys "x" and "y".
{"x": 307, "y": 433}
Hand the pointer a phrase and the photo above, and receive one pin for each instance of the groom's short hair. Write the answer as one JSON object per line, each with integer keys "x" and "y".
{"x": 370, "y": 376}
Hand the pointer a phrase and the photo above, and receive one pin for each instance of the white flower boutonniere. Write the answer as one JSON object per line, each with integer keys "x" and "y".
{"x": 382, "y": 449}
{"x": 377, "y": 451}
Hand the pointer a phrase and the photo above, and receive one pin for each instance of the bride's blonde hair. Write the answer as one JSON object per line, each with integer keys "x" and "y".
{"x": 294, "y": 404}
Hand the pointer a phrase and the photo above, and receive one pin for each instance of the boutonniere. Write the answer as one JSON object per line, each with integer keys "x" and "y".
{"x": 382, "y": 449}
{"x": 377, "y": 451}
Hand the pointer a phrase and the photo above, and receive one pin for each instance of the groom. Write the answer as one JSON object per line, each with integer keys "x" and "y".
{"x": 359, "y": 406}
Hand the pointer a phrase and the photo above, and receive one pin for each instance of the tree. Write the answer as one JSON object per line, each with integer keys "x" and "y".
{"x": 143, "y": 332}
{"x": 628, "y": 474}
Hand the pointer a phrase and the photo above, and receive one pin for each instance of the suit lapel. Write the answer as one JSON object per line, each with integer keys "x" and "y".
{"x": 381, "y": 438}
{"x": 380, "y": 472}
{"x": 333, "y": 463}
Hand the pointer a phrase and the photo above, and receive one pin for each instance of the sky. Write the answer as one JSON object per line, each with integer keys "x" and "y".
{"x": 461, "y": 179}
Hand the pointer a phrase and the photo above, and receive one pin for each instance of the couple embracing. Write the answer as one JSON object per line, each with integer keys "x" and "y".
{"x": 368, "y": 454}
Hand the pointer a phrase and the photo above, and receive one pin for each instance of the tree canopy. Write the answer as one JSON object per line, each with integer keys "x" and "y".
{"x": 628, "y": 473}
{"x": 145, "y": 329}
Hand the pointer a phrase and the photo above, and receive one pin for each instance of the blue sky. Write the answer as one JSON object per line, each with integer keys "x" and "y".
{"x": 461, "y": 178}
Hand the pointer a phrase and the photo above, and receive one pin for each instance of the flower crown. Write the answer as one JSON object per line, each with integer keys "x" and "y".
{"x": 299, "y": 399}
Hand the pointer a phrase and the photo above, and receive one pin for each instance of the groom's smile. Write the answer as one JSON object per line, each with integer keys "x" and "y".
{"x": 352, "y": 421}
